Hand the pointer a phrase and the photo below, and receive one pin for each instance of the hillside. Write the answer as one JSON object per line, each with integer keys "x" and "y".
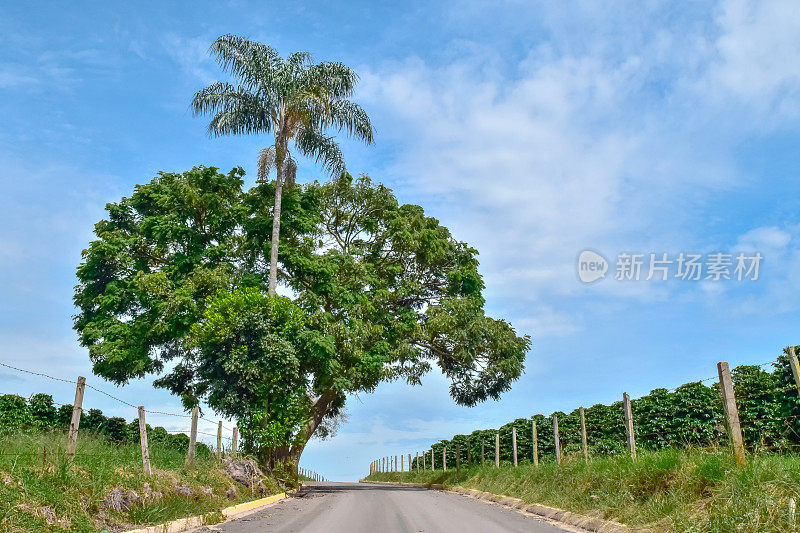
{"x": 104, "y": 487}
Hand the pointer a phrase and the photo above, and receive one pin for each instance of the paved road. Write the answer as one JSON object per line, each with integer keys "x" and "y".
{"x": 366, "y": 508}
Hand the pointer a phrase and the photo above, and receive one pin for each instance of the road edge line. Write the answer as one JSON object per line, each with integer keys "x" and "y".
{"x": 230, "y": 513}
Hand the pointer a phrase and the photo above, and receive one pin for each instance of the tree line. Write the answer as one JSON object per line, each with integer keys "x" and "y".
{"x": 39, "y": 413}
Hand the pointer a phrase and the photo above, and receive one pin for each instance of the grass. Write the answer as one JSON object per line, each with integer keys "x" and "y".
{"x": 669, "y": 490}
{"x": 34, "y": 474}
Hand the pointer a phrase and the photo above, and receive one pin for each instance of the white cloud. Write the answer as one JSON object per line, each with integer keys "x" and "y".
{"x": 191, "y": 55}
{"x": 759, "y": 49}
{"x": 769, "y": 239}
{"x": 546, "y": 321}
{"x": 532, "y": 171}
{"x": 13, "y": 76}
{"x": 616, "y": 145}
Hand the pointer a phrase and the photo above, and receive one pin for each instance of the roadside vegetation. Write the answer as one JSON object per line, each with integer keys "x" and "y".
{"x": 41, "y": 490}
{"x": 671, "y": 489}
{"x": 104, "y": 487}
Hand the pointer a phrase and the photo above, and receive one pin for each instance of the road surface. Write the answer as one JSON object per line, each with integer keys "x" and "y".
{"x": 367, "y": 508}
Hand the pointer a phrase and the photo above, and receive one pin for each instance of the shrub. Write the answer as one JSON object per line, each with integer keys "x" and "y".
{"x": 14, "y": 412}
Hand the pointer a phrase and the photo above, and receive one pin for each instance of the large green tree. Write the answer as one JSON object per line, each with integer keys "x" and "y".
{"x": 293, "y": 99}
{"x": 396, "y": 293}
{"x": 381, "y": 292}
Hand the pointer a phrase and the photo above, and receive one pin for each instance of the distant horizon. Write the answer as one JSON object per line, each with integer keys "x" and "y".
{"x": 533, "y": 133}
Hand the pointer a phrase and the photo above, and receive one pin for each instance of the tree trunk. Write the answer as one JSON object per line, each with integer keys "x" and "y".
{"x": 321, "y": 407}
{"x": 276, "y": 227}
{"x": 278, "y": 455}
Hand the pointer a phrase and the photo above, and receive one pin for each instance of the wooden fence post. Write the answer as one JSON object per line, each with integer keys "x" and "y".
{"x": 235, "y": 440}
{"x": 143, "y": 437}
{"x": 497, "y": 450}
{"x": 433, "y": 462}
{"x": 77, "y": 408}
{"x": 626, "y": 405}
{"x": 731, "y": 412}
{"x": 483, "y": 455}
{"x": 584, "y": 439}
{"x": 219, "y": 440}
{"x": 190, "y": 455}
{"x": 458, "y": 458}
{"x": 556, "y": 439}
{"x": 425, "y": 460}
{"x": 417, "y": 462}
{"x": 535, "y": 445}
{"x": 514, "y": 444}
{"x": 402, "y": 463}
{"x": 409, "y": 462}
{"x": 444, "y": 458}
{"x": 795, "y": 367}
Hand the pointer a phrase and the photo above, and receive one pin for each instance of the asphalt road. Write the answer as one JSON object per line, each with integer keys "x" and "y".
{"x": 367, "y": 508}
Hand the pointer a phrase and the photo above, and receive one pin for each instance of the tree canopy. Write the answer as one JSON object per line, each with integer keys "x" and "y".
{"x": 380, "y": 291}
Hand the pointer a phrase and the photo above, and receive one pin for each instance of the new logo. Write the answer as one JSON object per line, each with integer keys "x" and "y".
{"x": 591, "y": 266}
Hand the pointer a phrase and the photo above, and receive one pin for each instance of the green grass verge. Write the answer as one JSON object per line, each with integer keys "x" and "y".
{"x": 668, "y": 490}
{"x": 31, "y": 480}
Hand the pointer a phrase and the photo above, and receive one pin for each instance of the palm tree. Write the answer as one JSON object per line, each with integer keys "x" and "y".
{"x": 295, "y": 100}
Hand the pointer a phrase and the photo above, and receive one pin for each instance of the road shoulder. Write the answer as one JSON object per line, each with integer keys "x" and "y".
{"x": 193, "y": 523}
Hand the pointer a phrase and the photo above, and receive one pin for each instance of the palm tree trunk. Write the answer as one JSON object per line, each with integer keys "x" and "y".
{"x": 276, "y": 229}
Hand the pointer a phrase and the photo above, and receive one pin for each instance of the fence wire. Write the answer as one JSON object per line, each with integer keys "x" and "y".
{"x": 769, "y": 421}
{"x": 83, "y": 410}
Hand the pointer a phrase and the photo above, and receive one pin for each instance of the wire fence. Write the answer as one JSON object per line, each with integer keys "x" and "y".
{"x": 225, "y": 443}
{"x": 749, "y": 410}
{"x": 227, "y": 438}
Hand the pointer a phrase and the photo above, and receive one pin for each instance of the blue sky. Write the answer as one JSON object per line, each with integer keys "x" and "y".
{"x": 532, "y": 130}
